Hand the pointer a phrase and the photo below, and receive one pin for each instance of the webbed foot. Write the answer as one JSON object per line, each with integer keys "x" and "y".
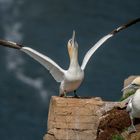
{"x": 63, "y": 95}
{"x": 75, "y": 95}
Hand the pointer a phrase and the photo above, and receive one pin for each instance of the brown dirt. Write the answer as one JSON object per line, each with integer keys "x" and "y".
{"x": 113, "y": 123}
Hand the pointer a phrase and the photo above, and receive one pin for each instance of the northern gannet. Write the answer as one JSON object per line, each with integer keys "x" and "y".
{"x": 69, "y": 79}
{"x": 133, "y": 106}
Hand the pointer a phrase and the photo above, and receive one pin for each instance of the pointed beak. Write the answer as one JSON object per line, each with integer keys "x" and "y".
{"x": 73, "y": 37}
{"x": 127, "y": 87}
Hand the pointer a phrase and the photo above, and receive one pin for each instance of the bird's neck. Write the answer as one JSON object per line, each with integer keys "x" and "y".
{"x": 74, "y": 60}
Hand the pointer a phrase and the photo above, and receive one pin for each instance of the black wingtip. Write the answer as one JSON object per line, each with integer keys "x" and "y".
{"x": 10, "y": 44}
{"x": 125, "y": 26}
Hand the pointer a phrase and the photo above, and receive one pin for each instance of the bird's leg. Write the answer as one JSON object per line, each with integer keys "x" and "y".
{"x": 132, "y": 127}
{"x": 63, "y": 94}
{"x": 75, "y": 95}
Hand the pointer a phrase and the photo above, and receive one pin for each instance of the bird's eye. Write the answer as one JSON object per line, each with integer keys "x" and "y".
{"x": 71, "y": 41}
{"x": 134, "y": 84}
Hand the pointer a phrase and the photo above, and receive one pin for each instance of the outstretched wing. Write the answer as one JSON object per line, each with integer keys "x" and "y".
{"x": 93, "y": 49}
{"x": 102, "y": 40}
{"x": 56, "y": 71}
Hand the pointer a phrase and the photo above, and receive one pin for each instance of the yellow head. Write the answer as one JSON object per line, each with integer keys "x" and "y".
{"x": 135, "y": 84}
{"x": 72, "y": 45}
{"x": 136, "y": 81}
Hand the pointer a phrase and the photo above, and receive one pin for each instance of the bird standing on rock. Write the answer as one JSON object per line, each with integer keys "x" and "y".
{"x": 133, "y": 106}
{"x": 72, "y": 78}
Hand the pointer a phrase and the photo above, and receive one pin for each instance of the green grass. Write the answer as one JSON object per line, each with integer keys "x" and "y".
{"x": 127, "y": 95}
{"x": 117, "y": 137}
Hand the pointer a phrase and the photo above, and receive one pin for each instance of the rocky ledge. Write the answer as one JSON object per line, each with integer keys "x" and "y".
{"x": 80, "y": 119}
{"x": 88, "y": 119}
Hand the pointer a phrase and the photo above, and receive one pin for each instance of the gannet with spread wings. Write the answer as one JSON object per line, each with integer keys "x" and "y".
{"x": 69, "y": 79}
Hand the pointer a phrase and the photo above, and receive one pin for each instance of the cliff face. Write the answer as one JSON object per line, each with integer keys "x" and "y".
{"x": 75, "y": 119}
{"x": 89, "y": 119}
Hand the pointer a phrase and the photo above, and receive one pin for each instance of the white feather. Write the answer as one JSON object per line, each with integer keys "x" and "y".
{"x": 56, "y": 71}
{"x": 129, "y": 106}
{"x": 93, "y": 49}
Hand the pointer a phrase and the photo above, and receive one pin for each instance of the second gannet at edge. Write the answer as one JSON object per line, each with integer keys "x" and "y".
{"x": 69, "y": 79}
{"x": 133, "y": 106}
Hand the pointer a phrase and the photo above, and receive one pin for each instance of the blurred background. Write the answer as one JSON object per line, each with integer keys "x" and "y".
{"x": 46, "y": 25}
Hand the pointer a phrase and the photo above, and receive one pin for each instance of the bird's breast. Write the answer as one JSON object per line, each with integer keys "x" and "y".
{"x": 72, "y": 81}
{"x": 73, "y": 76}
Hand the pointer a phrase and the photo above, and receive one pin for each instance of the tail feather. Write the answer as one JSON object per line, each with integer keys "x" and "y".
{"x": 10, "y": 44}
{"x": 125, "y": 26}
